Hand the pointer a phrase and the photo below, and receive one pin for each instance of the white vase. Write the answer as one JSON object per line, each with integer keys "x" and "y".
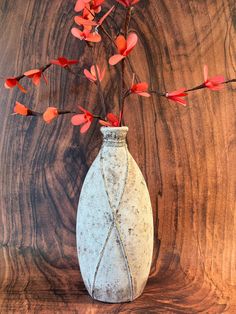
{"x": 114, "y": 223}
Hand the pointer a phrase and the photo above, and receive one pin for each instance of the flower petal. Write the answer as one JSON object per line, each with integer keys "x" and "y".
{"x": 21, "y": 88}
{"x": 10, "y": 82}
{"x": 77, "y": 33}
{"x": 121, "y": 43}
{"x": 179, "y": 92}
{"x": 217, "y": 79}
{"x": 82, "y": 109}
{"x": 105, "y": 15}
{"x": 131, "y": 42}
{"x": 72, "y": 61}
{"x": 81, "y": 21}
{"x": 105, "y": 123}
{"x": 21, "y": 109}
{"x": 36, "y": 79}
{"x": 205, "y": 72}
{"x": 80, "y": 4}
{"x": 50, "y": 114}
{"x": 32, "y": 72}
{"x": 78, "y": 119}
{"x": 113, "y": 119}
{"x": 89, "y": 75}
{"x": 56, "y": 62}
{"x": 115, "y": 59}
{"x": 85, "y": 127}
{"x": 143, "y": 86}
{"x": 93, "y": 37}
{"x": 93, "y": 72}
{"x": 179, "y": 100}
{"x": 214, "y": 87}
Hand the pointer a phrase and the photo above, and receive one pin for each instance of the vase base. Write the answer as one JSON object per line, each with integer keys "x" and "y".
{"x": 109, "y": 299}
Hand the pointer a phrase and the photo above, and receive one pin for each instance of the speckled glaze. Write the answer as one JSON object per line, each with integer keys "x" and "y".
{"x": 114, "y": 223}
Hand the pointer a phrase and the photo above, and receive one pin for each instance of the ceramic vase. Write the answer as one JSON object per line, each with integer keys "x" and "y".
{"x": 114, "y": 223}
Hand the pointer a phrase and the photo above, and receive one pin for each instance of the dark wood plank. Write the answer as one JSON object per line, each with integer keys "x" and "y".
{"x": 186, "y": 154}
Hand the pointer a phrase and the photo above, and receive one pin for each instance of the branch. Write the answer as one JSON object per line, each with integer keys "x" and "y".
{"x": 122, "y": 98}
{"x": 43, "y": 69}
{"x": 98, "y": 83}
{"x": 60, "y": 112}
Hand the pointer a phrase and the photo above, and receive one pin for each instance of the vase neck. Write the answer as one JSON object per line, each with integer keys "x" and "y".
{"x": 114, "y": 136}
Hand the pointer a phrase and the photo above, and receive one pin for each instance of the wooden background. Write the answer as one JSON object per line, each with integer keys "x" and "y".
{"x": 187, "y": 156}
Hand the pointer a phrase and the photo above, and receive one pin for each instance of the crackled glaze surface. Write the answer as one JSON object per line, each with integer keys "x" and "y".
{"x": 114, "y": 223}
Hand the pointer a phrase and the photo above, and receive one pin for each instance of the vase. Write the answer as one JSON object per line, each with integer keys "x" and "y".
{"x": 114, "y": 228}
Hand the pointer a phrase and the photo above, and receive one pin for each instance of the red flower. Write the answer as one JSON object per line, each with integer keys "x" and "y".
{"x": 87, "y": 18}
{"x": 12, "y": 82}
{"x": 85, "y": 118}
{"x": 124, "y": 47}
{"x": 128, "y": 3}
{"x": 86, "y": 35}
{"x": 36, "y": 75}
{"x": 176, "y": 96}
{"x": 50, "y": 114}
{"x": 113, "y": 120}
{"x": 80, "y": 5}
{"x": 96, "y": 5}
{"x": 140, "y": 89}
{"x": 92, "y": 74}
{"x": 21, "y": 109}
{"x": 213, "y": 83}
{"x": 63, "y": 62}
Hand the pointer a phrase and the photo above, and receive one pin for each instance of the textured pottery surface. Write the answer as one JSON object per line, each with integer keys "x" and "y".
{"x": 114, "y": 223}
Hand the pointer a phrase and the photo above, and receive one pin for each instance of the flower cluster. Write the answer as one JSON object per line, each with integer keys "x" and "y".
{"x": 87, "y": 21}
{"x": 90, "y": 27}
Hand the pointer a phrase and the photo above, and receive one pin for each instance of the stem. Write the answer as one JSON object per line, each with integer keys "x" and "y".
{"x": 99, "y": 117}
{"x": 156, "y": 92}
{"x": 107, "y": 34}
{"x": 230, "y": 81}
{"x": 196, "y": 88}
{"x": 98, "y": 83}
{"x": 204, "y": 86}
{"x": 43, "y": 68}
{"x": 66, "y": 112}
{"x": 122, "y": 98}
{"x": 103, "y": 29}
{"x": 61, "y": 112}
{"x": 112, "y": 18}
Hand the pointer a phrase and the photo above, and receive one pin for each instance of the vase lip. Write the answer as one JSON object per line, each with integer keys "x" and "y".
{"x": 115, "y": 129}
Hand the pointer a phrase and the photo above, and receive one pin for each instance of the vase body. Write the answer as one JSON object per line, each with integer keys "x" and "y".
{"x": 114, "y": 223}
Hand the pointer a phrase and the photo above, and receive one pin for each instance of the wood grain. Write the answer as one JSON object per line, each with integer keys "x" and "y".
{"x": 187, "y": 156}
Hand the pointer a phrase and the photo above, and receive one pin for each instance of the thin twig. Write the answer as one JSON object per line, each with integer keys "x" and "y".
{"x": 122, "y": 98}
{"x": 98, "y": 83}
{"x": 60, "y": 112}
{"x": 43, "y": 69}
{"x": 108, "y": 35}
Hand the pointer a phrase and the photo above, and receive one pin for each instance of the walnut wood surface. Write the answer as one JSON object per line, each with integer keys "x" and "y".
{"x": 186, "y": 154}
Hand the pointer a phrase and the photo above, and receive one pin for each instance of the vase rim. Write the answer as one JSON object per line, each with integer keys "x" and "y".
{"x": 115, "y": 128}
